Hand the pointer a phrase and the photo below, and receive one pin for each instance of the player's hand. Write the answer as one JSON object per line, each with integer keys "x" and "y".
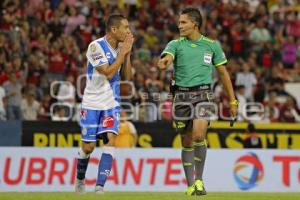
{"x": 163, "y": 63}
{"x": 233, "y": 111}
{"x": 127, "y": 44}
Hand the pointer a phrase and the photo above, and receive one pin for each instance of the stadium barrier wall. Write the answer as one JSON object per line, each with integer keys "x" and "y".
{"x": 10, "y": 133}
{"x": 161, "y": 134}
{"x": 53, "y": 169}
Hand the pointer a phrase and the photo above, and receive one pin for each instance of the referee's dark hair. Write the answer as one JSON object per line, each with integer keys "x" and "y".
{"x": 194, "y": 14}
{"x": 114, "y": 20}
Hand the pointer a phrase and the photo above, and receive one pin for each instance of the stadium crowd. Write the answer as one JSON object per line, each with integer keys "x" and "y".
{"x": 44, "y": 42}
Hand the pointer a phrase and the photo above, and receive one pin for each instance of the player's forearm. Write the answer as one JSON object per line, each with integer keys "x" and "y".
{"x": 225, "y": 78}
{"x": 126, "y": 72}
{"x": 164, "y": 62}
{"x": 114, "y": 67}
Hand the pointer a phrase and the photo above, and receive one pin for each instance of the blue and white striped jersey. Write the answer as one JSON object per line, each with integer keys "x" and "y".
{"x": 100, "y": 93}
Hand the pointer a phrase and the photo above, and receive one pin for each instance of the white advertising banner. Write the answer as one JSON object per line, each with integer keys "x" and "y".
{"x": 157, "y": 169}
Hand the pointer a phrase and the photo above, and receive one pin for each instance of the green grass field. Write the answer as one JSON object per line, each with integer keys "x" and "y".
{"x": 147, "y": 196}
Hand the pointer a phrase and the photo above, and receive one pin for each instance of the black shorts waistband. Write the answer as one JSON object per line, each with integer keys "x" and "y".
{"x": 194, "y": 88}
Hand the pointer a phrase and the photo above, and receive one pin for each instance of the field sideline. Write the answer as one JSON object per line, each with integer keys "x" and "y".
{"x": 146, "y": 196}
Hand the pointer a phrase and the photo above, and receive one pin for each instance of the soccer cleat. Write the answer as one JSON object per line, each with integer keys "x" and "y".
{"x": 99, "y": 189}
{"x": 190, "y": 191}
{"x": 199, "y": 188}
{"x": 79, "y": 186}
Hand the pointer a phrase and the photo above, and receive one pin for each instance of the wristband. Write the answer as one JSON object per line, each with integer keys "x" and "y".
{"x": 234, "y": 102}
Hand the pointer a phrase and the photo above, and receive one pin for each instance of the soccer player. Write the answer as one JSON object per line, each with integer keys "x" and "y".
{"x": 194, "y": 57}
{"x": 99, "y": 117}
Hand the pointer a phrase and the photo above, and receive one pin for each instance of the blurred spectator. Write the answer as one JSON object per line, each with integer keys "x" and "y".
{"x": 293, "y": 24}
{"x": 59, "y": 114}
{"x": 260, "y": 91}
{"x": 2, "y": 104}
{"x": 45, "y": 107}
{"x": 30, "y": 106}
{"x": 166, "y": 110}
{"x": 240, "y": 95}
{"x": 251, "y": 138}
{"x": 247, "y": 79}
{"x": 289, "y": 111}
{"x": 127, "y": 136}
{"x": 8, "y": 69}
{"x": 73, "y": 21}
{"x": 66, "y": 91}
{"x": 238, "y": 35}
{"x": 150, "y": 37}
{"x": 56, "y": 61}
{"x": 289, "y": 52}
{"x": 35, "y": 69}
{"x": 14, "y": 97}
{"x": 271, "y": 109}
{"x": 259, "y": 36}
{"x": 144, "y": 54}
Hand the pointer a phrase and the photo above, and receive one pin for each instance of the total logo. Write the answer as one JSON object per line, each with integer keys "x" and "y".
{"x": 248, "y": 171}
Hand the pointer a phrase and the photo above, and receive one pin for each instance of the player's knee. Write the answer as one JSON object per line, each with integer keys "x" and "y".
{"x": 111, "y": 139}
{"x": 82, "y": 154}
{"x": 199, "y": 134}
{"x": 187, "y": 141}
{"x": 198, "y": 137}
{"x": 88, "y": 148}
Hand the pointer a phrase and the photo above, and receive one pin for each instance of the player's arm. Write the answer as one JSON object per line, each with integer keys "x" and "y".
{"x": 126, "y": 68}
{"x": 110, "y": 70}
{"x": 168, "y": 55}
{"x": 225, "y": 78}
{"x": 124, "y": 54}
{"x": 219, "y": 60}
{"x": 165, "y": 61}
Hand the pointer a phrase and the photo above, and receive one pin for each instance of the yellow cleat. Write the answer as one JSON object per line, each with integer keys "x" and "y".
{"x": 199, "y": 188}
{"x": 190, "y": 191}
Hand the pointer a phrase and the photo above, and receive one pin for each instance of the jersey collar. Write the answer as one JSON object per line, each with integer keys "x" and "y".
{"x": 198, "y": 40}
{"x": 112, "y": 49}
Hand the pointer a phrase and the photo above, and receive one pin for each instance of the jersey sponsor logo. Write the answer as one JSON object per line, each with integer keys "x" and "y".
{"x": 108, "y": 122}
{"x": 207, "y": 58}
{"x": 93, "y": 47}
{"x": 96, "y": 56}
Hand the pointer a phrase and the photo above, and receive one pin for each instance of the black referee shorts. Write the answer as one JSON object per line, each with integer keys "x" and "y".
{"x": 192, "y": 103}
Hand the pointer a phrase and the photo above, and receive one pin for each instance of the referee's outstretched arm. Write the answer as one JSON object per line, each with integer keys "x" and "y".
{"x": 165, "y": 61}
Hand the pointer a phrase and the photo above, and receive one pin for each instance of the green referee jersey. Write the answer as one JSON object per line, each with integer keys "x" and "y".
{"x": 194, "y": 60}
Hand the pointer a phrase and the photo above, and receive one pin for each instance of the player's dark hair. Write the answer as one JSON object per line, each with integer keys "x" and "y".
{"x": 194, "y": 14}
{"x": 114, "y": 20}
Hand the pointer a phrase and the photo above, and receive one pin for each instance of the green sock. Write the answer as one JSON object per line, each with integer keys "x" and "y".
{"x": 187, "y": 157}
{"x": 200, "y": 155}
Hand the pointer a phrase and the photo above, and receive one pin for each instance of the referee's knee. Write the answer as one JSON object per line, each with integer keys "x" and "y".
{"x": 187, "y": 141}
{"x": 198, "y": 137}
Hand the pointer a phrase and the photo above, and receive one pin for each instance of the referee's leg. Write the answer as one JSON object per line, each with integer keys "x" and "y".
{"x": 200, "y": 148}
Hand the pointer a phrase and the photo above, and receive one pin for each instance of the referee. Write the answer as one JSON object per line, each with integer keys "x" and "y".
{"x": 194, "y": 57}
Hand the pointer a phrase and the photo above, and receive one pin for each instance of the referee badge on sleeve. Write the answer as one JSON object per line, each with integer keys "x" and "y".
{"x": 207, "y": 58}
